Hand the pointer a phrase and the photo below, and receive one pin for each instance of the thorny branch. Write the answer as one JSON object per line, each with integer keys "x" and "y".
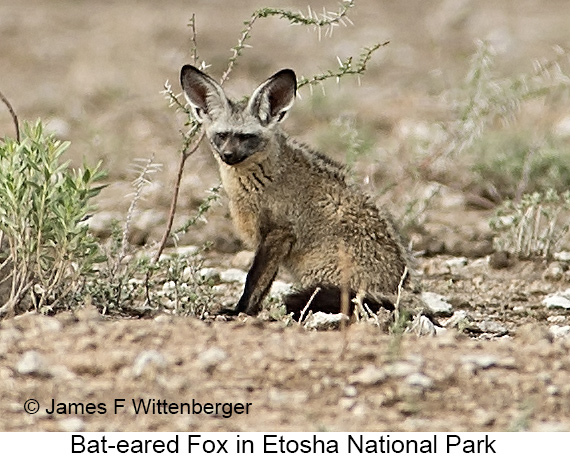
{"x": 326, "y": 19}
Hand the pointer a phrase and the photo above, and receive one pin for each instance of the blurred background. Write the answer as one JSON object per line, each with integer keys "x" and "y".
{"x": 466, "y": 107}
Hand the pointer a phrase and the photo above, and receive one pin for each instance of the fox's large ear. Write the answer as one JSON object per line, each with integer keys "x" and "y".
{"x": 272, "y": 100}
{"x": 205, "y": 96}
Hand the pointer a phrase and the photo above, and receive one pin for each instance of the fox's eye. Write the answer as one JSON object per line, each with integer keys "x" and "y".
{"x": 221, "y": 137}
{"x": 251, "y": 140}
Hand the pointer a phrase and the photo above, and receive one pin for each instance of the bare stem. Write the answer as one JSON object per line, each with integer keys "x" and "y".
{"x": 192, "y": 25}
{"x": 304, "y": 310}
{"x": 13, "y": 114}
{"x": 187, "y": 151}
{"x": 139, "y": 184}
{"x": 399, "y": 296}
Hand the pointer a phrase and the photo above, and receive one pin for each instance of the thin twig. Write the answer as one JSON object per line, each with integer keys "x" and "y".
{"x": 371, "y": 313}
{"x": 525, "y": 175}
{"x": 192, "y": 25}
{"x": 205, "y": 205}
{"x": 346, "y": 67}
{"x": 139, "y": 184}
{"x": 13, "y": 114}
{"x": 245, "y": 34}
{"x": 313, "y": 295}
{"x": 187, "y": 151}
{"x": 399, "y": 296}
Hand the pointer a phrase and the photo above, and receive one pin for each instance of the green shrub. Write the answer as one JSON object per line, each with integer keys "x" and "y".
{"x": 484, "y": 125}
{"x": 509, "y": 164}
{"x": 43, "y": 206}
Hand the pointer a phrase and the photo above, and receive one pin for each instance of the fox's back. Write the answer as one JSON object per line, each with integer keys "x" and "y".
{"x": 336, "y": 225}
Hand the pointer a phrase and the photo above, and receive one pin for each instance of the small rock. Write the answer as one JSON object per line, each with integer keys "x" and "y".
{"x": 488, "y": 326}
{"x": 148, "y": 360}
{"x": 349, "y": 391}
{"x": 484, "y": 418}
{"x": 163, "y": 319}
{"x": 462, "y": 322}
{"x": 437, "y": 304}
{"x": 480, "y": 263}
{"x": 280, "y": 288}
{"x": 281, "y": 397}
{"x": 209, "y": 274}
{"x": 233, "y": 275}
{"x": 187, "y": 250}
{"x": 455, "y": 263}
{"x": 324, "y": 321}
{"x": 370, "y": 375}
{"x": 558, "y": 331}
{"x": 346, "y": 403}
{"x": 421, "y": 326}
{"x": 562, "y": 256}
{"x": 560, "y": 300}
{"x": 551, "y": 389}
{"x": 71, "y": 424}
{"x": 483, "y": 361}
{"x": 358, "y": 409}
{"x": 440, "y": 331}
{"x": 211, "y": 358}
{"x": 401, "y": 368}
{"x": 419, "y": 380}
{"x": 143, "y": 223}
{"x": 556, "y": 319}
{"x": 32, "y": 362}
{"x": 551, "y": 427}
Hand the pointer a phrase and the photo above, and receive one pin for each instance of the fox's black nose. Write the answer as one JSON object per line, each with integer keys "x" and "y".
{"x": 231, "y": 157}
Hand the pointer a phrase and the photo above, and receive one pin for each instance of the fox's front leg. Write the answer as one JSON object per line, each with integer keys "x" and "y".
{"x": 274, "y": 247}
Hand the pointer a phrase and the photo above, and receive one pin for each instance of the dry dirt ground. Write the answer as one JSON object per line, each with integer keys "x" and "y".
{"x": 294, "y": 379}
{"x": 94, "y": 70}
